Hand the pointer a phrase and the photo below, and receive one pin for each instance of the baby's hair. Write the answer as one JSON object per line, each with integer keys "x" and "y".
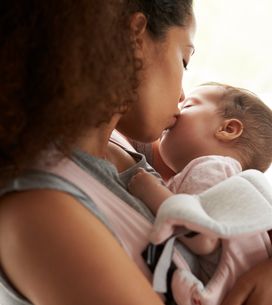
{"x": 254, "y": 146}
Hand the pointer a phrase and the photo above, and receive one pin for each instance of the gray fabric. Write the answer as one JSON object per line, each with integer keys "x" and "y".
{"x": 145, "y": 149}
{"x": 107, "y": 174}
{"x": 8, "y": 295}
{"x": 35, "y": 179}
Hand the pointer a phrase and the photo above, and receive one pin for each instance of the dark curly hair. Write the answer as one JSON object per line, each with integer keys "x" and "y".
{"x": 65, "y": 66}
{"x": 254, "y": 145}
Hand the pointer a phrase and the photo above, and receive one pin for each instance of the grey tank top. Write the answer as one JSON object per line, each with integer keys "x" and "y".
{"x": 100, "y": 169}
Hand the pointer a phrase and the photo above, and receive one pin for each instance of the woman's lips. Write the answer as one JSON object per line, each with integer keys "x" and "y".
{"x": 173, "y": 121}
{"x": 170, "y": 126}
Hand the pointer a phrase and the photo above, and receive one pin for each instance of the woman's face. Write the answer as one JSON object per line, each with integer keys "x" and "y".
{"x": 160, "y": 89}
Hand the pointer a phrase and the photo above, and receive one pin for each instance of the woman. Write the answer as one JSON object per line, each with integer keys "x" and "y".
{"x": 71, "y": 72}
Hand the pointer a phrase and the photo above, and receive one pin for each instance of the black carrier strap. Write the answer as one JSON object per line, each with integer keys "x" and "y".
{"x": 151, "y": 256}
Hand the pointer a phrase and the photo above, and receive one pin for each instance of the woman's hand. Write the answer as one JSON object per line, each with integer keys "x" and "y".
{"x": 253, "y": 288}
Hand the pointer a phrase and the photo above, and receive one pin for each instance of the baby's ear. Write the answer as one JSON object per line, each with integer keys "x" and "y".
{"x": 229, "y": 130}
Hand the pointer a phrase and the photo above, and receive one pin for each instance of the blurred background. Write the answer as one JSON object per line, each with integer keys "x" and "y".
{"x": 234, "y": 46}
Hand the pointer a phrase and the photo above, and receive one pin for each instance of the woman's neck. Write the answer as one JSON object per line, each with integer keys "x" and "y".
{"x": 93, "y": 144}
{"x": 95, "y": 141}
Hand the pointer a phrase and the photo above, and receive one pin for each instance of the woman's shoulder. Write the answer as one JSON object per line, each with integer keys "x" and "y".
{"x": 27, "y": 216}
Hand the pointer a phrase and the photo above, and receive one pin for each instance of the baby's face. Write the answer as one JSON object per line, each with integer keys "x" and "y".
{"x": 193, "y": 134}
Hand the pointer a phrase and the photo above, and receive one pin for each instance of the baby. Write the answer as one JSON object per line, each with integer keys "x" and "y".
{"x": 221, "y": 131}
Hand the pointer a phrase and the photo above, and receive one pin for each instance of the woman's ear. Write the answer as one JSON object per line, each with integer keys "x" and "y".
{"x": 138, "y": 26}
{"x": 229, "y": 130}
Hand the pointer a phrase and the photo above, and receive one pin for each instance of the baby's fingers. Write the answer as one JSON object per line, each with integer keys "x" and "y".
{"x": 136, "y": 180}
{"x": 139, "y": 174}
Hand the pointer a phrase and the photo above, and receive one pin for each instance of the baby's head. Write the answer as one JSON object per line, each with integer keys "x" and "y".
{"x": 218, "y": 119}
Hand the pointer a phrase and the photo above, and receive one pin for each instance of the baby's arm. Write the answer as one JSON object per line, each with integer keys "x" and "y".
{"x": 150, "y": 190}
{"x": 200, "y": 244}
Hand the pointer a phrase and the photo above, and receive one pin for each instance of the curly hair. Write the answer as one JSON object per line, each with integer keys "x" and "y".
{"x": 254, "y": 145}
{"x": 66, "y": 65}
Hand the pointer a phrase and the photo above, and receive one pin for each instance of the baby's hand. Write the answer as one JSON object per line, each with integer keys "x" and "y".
{"x": 142, "y": 183}
{"x": 149, "y": 189}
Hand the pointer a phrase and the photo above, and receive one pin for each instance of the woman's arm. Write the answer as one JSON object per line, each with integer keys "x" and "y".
{"x": 56, "y": 252}
{"x": 254, "y": 287}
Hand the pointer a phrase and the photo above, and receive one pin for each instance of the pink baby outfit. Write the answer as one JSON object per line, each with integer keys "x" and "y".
{"x": 202, "y": 173}
{"x": 198, "y": 176}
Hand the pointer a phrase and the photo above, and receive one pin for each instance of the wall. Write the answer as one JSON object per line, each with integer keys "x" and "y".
{"x": 233, "y": 45}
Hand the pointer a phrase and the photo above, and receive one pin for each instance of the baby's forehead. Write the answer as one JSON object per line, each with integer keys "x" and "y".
{"x": 207, "y": 92}
{"x": 208, "y": 89}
